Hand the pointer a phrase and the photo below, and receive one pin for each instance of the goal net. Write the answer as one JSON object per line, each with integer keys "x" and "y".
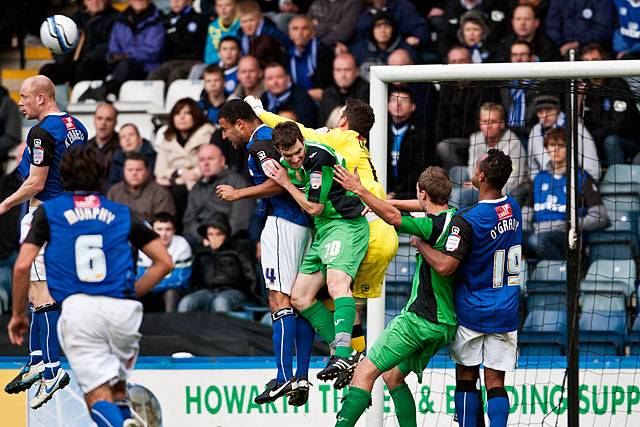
{"x": 572, "y": 130}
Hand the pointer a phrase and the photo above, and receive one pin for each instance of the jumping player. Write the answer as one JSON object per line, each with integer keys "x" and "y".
{"x": 427, "y": 322}
{"x": 100, "y": 316}
{"x": 47, "y": 141}
{"x": 339, "y": 245}
{"x": 348, "y": 140}
{"x": 484, "y": 249}
{"x": 283, "y": 243}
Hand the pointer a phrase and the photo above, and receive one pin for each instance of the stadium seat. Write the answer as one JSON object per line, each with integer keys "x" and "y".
{"x": 141, "y": 120}
{"x": 610, "y": 276}
{"x": 140, "y": 96}
{"x": 79, "y": 88}
{"x": 541, "y": 295}
{"x": 621, "y": 174}
{"x": 462, "y": 197}
{"x": 182, "y": 88}
{"x": 544, "y": 333}
{"x": 459, "y": 174}
{"x": 550, "y": 271}
{"x": 603, "y": 332}
{"x": 620, "y": 188}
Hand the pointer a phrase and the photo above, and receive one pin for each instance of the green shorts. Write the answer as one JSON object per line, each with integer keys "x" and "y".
{"x": 339, "y": 244}
{"x": 409, "y": 341}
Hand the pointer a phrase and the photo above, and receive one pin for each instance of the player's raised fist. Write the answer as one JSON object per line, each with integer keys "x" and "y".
{"x": 255, "y": 104}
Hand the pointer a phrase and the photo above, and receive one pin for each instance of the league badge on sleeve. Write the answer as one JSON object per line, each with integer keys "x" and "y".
{"x": 38, "y": 152}
{"x": 453, "y": 241}
{"x": 315, "y": 179}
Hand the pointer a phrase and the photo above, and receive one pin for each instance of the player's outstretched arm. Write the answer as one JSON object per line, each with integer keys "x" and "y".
{"x": 33, "y": 185}
{"x": 279, "y": 175}
{"x": 444, "y": 265}
{"x": 268, "y": 188}
{"x": 161, "y": 265}
{"x": 406, "y": 205}
{"x": 351, "y": 182}
{"x": 19, "y": 323}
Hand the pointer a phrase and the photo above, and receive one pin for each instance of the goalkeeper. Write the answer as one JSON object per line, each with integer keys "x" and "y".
{"x": 427, "y": 322}
{"x": 348, "y": 140}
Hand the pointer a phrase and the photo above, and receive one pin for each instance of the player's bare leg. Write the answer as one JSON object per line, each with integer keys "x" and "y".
{"x": 497, "y": 398}
{"x": 468, "y": 397}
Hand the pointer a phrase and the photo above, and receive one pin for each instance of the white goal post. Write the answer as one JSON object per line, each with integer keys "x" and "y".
{"x": 381, "y": 76}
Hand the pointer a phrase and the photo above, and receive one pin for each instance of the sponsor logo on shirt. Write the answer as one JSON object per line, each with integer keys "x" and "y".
{"x": 315, "y": 179}
{"x": 68, "y": 122}
{"x": 504, "y": 211}
{"x": 88, "y": 201}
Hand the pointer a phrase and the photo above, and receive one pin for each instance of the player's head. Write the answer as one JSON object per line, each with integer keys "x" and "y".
{"x": 237, "y": 121}
{"x": 357, "y": 115}
{"x": 493, "y": 169}
{"x": 290, "y": 143}
{"x": 164, "y": 225}
{"x": 136, "y": 169}
{"x": 83, "y": 169}
{"x": 434, "y": 187}
{"x": 37, "y": 94}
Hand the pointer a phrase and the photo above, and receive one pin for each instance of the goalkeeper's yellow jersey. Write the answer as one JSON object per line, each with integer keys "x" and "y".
{"x": 349, "y": 144}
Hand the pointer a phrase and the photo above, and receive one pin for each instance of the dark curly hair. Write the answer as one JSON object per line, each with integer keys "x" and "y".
{"x": 83, "y": 168}
{"x": 497, "y": 168}
{"x": 237, "y": 109}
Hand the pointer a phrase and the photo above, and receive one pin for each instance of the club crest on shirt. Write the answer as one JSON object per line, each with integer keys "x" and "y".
{"x": 504, "y": 211}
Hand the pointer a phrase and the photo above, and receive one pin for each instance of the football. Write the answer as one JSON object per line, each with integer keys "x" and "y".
{"x": 59, "y": 34}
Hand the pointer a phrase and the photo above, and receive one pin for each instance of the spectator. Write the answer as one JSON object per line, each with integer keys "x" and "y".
{"x": 335, "y": 22}
{"x": 309, "y": 59}
{"x": 226, "y": 24}
{"x": 545, "y": 213}
{"x": 135, "y": 48}
{"x": 9, "y": 225}
{"x": 224, "y": 276}
{"x": 185, "y": 32}
{"x": 139, "y": 190}
{"x": 575, "y": 23}
{"x": 458, "y": 113}
{"x": 10, "y": 123}
{"x": 409, "y": 151}
{"x": 550, "y": 116}
{"x": 346, "y": 84}
{"x": 525, "y": 24}
{"x": 473, "y": 34}
{"x": 626, "y": 37}
{"x": 130, "y": 141}
{"x": 253, "y": 25}
{"x": 229, "y": 53}
{"x": 494, "y": 12}
{"x": 382, "y": 39}
{"x": 167, "y": 292}
{"x": 412, "y": 28}
{"x": 281, "y": 94}
{"x": 517, "y": 100}
{"x": 204, "y": 203}
{"x": 249, "y": 78}
{"x": 610, "y": 112}
{"x": 495, "y": 134}
{"x": 177, "y": 163}
{"x": 95, "y": 20}
{"x": 106, "y": 140}
{"x": 212, "y": 96}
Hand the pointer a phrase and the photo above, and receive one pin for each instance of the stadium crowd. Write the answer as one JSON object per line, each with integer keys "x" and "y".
{"x": 304, "y": 59}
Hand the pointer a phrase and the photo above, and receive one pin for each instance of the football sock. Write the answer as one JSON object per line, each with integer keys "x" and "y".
{"x": 284, "y": 334}
{"x": 497, "y": 407}
{"x": 467, "y": 400}
{"x": 304, "y": 345}
{"x": 358, "y": 342}
{"x": 405, "y": 405}
{"x": 47, "y": 317}
{"x": 321, "y": 319}
{"x": 35, "y": 353}
{"x": 106, "y": 414}
{"x": 343, "y": 319}
{"x": 355, "y": 403}
{"x": 125, "y": 409}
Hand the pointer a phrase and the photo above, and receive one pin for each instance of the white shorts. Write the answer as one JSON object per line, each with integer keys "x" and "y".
{"x": 38, "y": 272}
{"x": 282, "y": 245}
{"x": 99, "y": 336}
{"x": 497, "y": 351}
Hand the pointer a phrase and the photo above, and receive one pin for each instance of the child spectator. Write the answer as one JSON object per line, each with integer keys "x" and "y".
{"x": 226, "y": 24}
{"x": 167, "y": 292}
{"x": 224, "y": 277}
{"x": 229, "y": 53}
{"x": 253, "y": 25}
{"x": 212, "y": 96}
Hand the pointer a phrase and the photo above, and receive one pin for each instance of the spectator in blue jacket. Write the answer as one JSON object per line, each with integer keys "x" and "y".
{"x": 626, "y": 37}
{"x": 281, "y": 94}
{"x": 254, "y": 25}
{"x": 226, "y": 24}
{"x": 168, "y": 291}
{"x": 575, "y": 23}
{"x": 382, "y": 39}
{"x": 413, "y": 28}
{"x": 135, "y": 48}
